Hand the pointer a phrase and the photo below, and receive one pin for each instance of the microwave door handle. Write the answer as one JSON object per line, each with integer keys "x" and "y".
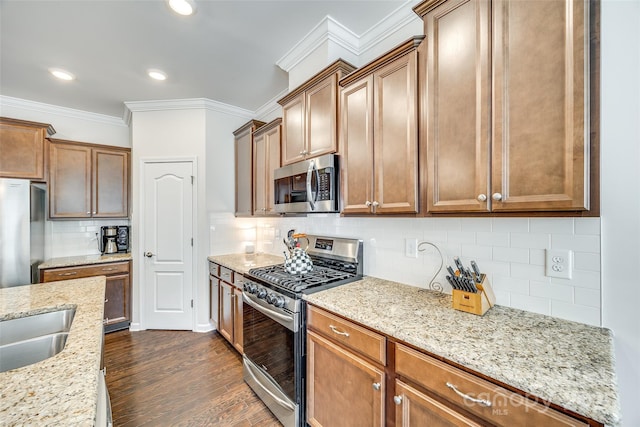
{"x": 310, "y": 170}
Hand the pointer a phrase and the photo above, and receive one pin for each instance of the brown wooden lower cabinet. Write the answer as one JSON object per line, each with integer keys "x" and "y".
{"x": 229, "y": 304}
{"x": 117, "y": 299}
{"x": 353, "y": 372}
{"x": 225, "y": 327}
{"x": 342, "y": 388}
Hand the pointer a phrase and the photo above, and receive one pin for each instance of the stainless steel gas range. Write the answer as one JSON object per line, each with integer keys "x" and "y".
{"x": 274, "y": 320}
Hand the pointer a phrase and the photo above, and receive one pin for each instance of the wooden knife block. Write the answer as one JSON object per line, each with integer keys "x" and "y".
{"x": 475, "y": 303}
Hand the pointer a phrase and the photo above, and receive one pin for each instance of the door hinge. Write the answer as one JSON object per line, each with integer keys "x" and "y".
{"x": 192, "y": 179}
{"x": 191, "y": 303}
{"x": 192, "y": 241}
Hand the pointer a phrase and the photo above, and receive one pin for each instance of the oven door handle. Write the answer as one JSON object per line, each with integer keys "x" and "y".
{"x": 312, "y": 200}
{"x": 273, "y": 396}
{"x": 266, "y": 311}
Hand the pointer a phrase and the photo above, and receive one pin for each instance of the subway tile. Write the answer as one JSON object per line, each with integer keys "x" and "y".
{"x": 528, "y": 271}
{"x": 503, "y": 298}
{"x": 537, "y": 256}
{"x": 492, "y": 239}
{"x": 587, "y": 226}
{"x": 530, "y": 240}
{"x": 588, "y": 297}
{"x": 448, "y": 224}
{"x": 510, "y": 225}
{"x": 551, "y": 225}
{"x": 495, "y": 267}
{"x": 435, "y": 236}
{"x": 476, "y": 252}
{"x": 578, "y": 243}
{"x": 577, "y": 313}
{"x": 511, "y": 285}
{"x": 511, "y": 255}
{"x": 586, "y": 261}
{"x": 531, "y": 303}
{"x": 476, "y": 224}
{"x": 581, "y": 279}
{"x": 461, "y": 237}
{"x": 551, "y": 291}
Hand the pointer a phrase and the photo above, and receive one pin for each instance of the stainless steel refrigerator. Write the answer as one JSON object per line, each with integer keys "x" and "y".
{"x": 22, "y": 218}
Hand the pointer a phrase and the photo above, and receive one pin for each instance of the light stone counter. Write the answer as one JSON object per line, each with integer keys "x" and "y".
{"x": 84, "y": 260}
{"x": 61, "y": 390}
{"x": 566, "y": 363}
{"x": 245, "y": 262}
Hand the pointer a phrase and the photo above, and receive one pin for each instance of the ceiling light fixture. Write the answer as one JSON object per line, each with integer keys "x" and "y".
{"x": 62, "y": 74}
{"x": 183, "y": 7}
{"x": 157, "y": 75}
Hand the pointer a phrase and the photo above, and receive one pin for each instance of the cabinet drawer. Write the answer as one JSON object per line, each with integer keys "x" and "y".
{"x": 65, "y": 273}
{"x": 214, "y": 269}
{"x": 226, "y": 274}
{"x": 359, "y": 339}
{"x": 482, "y": 398}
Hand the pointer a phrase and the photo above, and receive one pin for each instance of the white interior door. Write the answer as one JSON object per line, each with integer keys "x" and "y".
{"x": 167, "y": 232}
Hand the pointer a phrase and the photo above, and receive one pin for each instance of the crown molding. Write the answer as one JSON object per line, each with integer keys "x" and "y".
{"x": 188, "y": 104}
{"x": 327, "y": 29}
{"x": 332, "y": 30}
{"x": 58, "y": 110}
{"x": 271, "y": 106}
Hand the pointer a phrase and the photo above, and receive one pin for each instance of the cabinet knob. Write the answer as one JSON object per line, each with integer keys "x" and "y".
{"x": 376, "y": 386}
{"x": 106, "y": 300}
{"x": 397, "y": 400}
{"x": 88, "y": 212}
{"x": 375, "y": 204}
{"x": 367, "y": 203}
{"x": 496, "y": 196}
{"x": 95, "y": 212}
{"x": 482, "y": 197}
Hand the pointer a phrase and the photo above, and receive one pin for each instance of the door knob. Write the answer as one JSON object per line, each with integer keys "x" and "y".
{"x": 496, "y": 196}
{"x": 149, "y": 254}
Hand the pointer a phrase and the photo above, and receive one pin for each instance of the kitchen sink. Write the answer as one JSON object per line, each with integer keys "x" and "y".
{"x": 30, "y": 339}
{"x": 23, "y": 353}
{"x": 25, "y": 328}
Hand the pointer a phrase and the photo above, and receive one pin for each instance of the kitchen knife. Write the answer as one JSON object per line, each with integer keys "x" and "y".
{"x": 475, "y": 269}
{"x": 459, "y": 265}
{"x": 451, "y": 272}
{"x": 451, "y": 282}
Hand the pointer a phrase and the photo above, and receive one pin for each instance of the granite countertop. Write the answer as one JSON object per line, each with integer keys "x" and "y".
{"x": 244, "y": 262}
{"x": 71, "y": 261}
{"x": 63, "y": 389}
{"x": 566, "y": 363}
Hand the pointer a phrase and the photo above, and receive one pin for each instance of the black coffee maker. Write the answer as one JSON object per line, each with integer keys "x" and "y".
{"x": 113, "y": 239}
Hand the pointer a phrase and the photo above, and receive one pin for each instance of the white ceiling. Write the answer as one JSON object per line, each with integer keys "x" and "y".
{"x": 226, "y": 52}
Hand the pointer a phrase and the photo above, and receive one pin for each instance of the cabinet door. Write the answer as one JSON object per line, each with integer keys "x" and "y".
{"x": 214, "y": 283}
{"x": 395, "y": 142}
{"x": 342, "y": 389}
{"x": 21, "y": 151}
{"x": 110, "y": 183}
{"x": 69, "y": 181}
{"x": 293, "y": 132}
{"x": 237, "y": 320}
{"x": 225, "y": 324}
{"x": 244, "y": 173}
{"x": 272, "y": 138}
{"x": 259, "y": 174}
{"x": 321, "y": 115}
{"x": 540, "y": 109}
{"x": 416, "y": 409}
{"x": 458, "y": 104}
{"x": 116, "y": 303}
{"x": 356, "y": 146}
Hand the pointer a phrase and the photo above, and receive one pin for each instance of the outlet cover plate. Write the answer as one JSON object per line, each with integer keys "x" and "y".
{"x": 411, "y": 248}
{"x": 559, "y": 263}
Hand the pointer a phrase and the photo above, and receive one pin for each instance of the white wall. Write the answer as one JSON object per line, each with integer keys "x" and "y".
{"x": 620, "y": 193}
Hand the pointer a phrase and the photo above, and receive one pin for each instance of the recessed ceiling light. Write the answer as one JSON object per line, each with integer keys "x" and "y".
{"x": 157, "y": 74}
{"x": 183, "y": 7}
{"x": 62, "y": 74}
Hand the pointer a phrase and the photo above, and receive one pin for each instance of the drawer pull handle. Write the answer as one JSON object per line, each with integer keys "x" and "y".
{"x": 338, "y": 331}
{"x": 376, "y": 386}
{"x": 109, "y": 269}
{"x": 397, "y": 400}
{"x": 482, "y": 402}
{"x": 71, "y": 273}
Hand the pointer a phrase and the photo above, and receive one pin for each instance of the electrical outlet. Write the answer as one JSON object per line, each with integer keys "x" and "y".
{"x": 411, "y": 248}
{"x": 558, "y": 263}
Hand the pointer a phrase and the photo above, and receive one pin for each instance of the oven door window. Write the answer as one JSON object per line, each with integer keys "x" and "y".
{"x": 270, "y": 345}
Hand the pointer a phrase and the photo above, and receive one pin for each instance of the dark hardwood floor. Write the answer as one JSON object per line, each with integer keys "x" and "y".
{"x": 178, "y": 378}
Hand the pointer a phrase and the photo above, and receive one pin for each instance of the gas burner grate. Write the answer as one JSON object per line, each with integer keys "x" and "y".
{"x": 277, "y": 275}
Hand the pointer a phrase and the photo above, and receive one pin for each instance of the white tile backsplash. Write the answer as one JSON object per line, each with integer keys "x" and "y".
{"x": 510, "y": 250}
{"x": 75, "y": 237}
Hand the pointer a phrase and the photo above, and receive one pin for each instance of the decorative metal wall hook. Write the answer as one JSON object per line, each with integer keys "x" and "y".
{"x": 433, "y": 285}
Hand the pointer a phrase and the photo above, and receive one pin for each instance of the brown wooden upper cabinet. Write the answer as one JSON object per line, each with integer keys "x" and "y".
{"x": 310, "y": 114}
{"x": 244, "y": 167}
{"x": 88, "y": 181}
{"x": 379, "y": 134}
{"x": 266, "y": 158}
{"x": 22, "y": 149}
{"x": 507, "y": 111}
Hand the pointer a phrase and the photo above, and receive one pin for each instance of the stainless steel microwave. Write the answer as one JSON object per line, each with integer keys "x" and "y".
{"x": 309, "y": 186}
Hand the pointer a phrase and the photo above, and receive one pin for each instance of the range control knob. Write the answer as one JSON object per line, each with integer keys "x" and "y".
{"x": 250, "y": 287}
{"x": 270, "y": 298}
{"x": 278, "y": 301}
{"x": 262, "y": 293}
